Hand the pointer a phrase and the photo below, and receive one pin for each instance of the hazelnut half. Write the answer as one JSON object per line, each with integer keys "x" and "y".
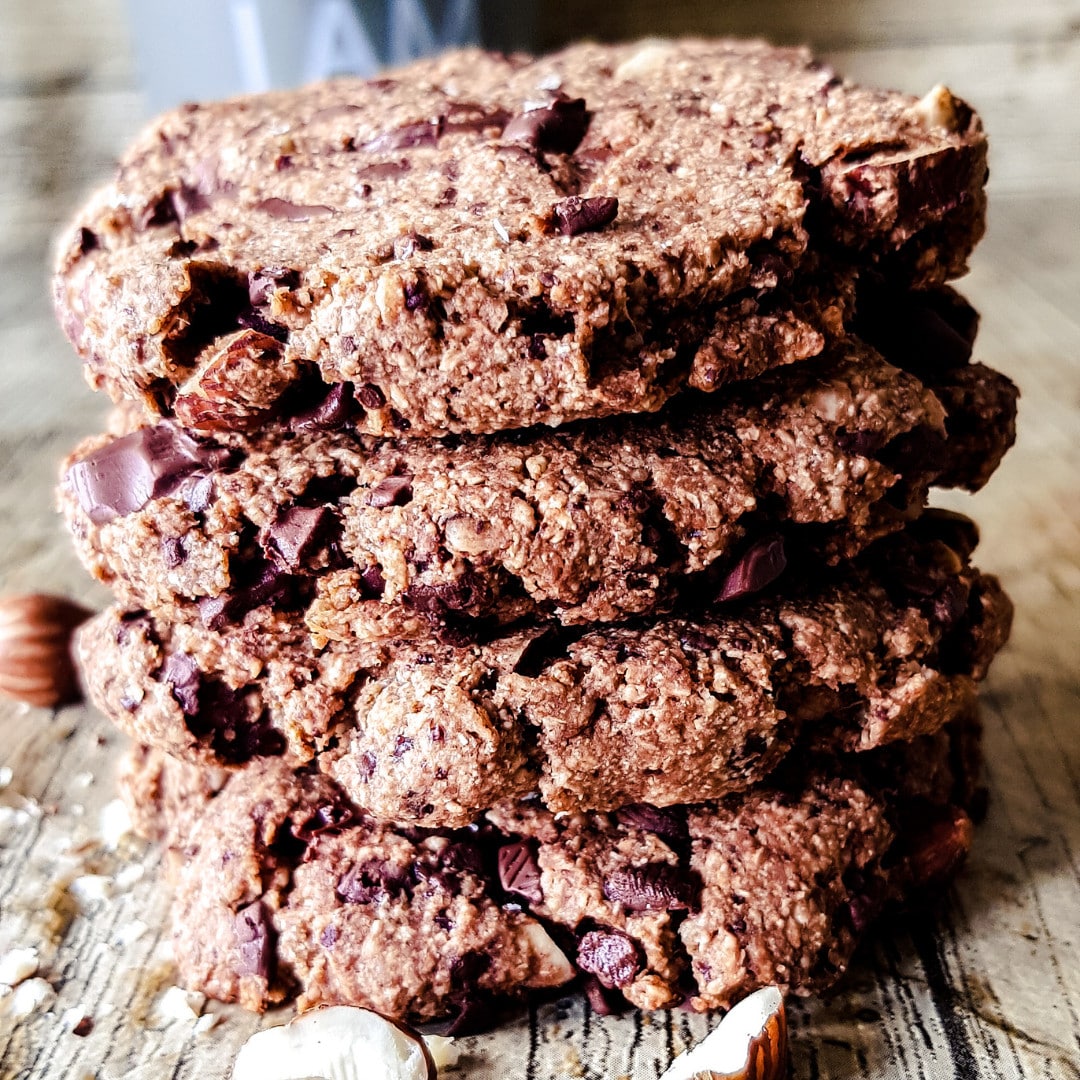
{"x": 340, "y": 1042}
{"x": 750, "y": 1043}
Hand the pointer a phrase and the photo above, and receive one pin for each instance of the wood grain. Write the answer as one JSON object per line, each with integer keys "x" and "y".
{"x": 988, "y": 988}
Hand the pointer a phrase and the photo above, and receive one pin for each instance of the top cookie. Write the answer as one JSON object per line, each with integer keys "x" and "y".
{"x": 483, "y": 242}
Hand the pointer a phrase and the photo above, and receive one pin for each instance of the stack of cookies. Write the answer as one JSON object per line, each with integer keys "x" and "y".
{"x": 515, "y": 512}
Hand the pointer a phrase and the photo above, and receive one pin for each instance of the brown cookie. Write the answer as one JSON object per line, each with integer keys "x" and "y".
{"x": 666, "y": 712}
{"x": 483, "y": 242}
{"x": 285, "y": 888}
{"x": 369, "y": 539}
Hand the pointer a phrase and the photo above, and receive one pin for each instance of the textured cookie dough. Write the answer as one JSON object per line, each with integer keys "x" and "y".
{"x": 667, "y": 712}
{"x": 484, "y": 242}
{"x": 285, "y": 888}
{"x": 597, "y": 522}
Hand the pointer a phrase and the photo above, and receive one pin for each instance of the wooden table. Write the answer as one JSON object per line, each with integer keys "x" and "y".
{"x": 989, "y": 988}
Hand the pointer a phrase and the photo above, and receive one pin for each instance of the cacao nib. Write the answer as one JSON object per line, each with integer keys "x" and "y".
{"x": 372, "y": 883}
{"x": 371, "y": 397}
{"x": 329, "y": 817}
{"x": 172, "y": 551}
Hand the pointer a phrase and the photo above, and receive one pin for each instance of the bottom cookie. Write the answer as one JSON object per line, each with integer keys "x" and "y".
{"x": 283, "y": 889}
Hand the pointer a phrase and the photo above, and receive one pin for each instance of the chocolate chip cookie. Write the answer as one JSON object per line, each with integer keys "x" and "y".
{"x": 484, "y": 242}
{"x": 376, "y": 539}
{"x": 284, "y": 887}
{"x": 668, "y": 711}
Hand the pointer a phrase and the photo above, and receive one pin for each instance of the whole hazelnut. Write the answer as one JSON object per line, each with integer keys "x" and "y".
{"x": 36, "y": 666}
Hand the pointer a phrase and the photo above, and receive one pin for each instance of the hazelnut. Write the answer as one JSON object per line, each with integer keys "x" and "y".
{"x": 750, "y": 1043}
{"x": 340, "y": 1042}
{"x": 36, "y": 666}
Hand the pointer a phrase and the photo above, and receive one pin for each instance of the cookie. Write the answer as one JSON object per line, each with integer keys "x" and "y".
{"x": 669, "y": 711}
{"x": 483, "y": 242}
{"x": 284, "y": 888}
{"x": 599, "y": 522}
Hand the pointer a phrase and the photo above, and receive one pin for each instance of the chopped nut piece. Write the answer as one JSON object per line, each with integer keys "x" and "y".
{"x": 750, "y": 1043}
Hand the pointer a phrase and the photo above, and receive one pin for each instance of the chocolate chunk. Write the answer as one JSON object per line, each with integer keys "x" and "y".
{"x": 924, "y": 332}
{"x": 371, "y": 397}
{"x": 666, "y": 821}
{"x": 290, "y": 211}
{"x": 611, "y": 956}
{"x": 224, "y": 719}
{"x": 425, "y": 133}
{"x": 416, "y": 297}
{"x": 298, "y": 533}
{"x": 88, "y": 241}
{"x": 575, "y": 215}
{"x": 125, "y": 475}
{"x": 181, "y": 674}
{"x": 466, "y": 857}
{"x": 272, "y": 586}
{"x": 172, "y": 551}
{"x": 922, "y": 451}
{"x": 466, "y": 593}
{"x": 393, "y": 491}
{"x": 254, "y": 320}
{"x": 602, "y": 1001}
{"x": 333, "y": 411}
{"x": 173, "y": 206}
{"x": 373, "y": 581}
{"x": 761, "y": 564}
{"x": 653, "y": 887}
{"x": 557, "y": 127}
{"x": 329, "y": 817}
{"x": 261, "y": 283}
{"x": 519, "y": 871}
{"x": 254, "y": 943}
{"x": 372, "y": 883}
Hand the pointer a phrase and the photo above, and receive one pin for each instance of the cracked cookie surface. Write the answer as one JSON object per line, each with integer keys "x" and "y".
{"x": 380, "y": 539}
{"x": 483, "y": 242}
{"x": 284, "y": 888}
{"x": 682, "y": 708}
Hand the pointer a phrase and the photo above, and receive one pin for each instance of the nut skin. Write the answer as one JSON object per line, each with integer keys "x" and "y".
{"x": 36, "y": 666}
{"x": 237, "y": 386}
